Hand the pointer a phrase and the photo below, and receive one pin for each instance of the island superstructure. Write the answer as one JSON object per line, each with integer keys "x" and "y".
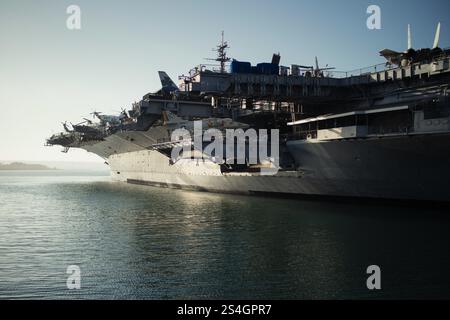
{"x": 380, "y": 132}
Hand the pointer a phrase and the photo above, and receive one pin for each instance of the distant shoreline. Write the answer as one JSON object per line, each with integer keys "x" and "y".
{"x": 24, "y": 166}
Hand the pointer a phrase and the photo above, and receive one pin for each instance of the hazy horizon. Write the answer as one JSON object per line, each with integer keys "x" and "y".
{"x": 64, "y": 165}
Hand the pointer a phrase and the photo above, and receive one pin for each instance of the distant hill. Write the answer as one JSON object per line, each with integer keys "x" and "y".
{"x": 23, "y": 166}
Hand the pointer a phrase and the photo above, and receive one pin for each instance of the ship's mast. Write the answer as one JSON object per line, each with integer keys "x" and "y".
{"x": 221, "y": 50}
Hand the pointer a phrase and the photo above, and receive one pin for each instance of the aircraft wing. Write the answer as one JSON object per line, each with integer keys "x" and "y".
{"x": 389, "y": 53}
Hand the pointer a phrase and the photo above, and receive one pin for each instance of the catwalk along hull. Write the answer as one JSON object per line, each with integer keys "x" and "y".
{"x": 406, "y": 167}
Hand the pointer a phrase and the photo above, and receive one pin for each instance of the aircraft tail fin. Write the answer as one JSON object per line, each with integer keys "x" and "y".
{"x": 436, "y": 36}
{"x": 409, "y": 38}
{"x": 167, "y": 84}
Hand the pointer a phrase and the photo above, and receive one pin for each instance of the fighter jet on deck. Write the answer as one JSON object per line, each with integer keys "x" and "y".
{"x": 411, "y": 55}
{"x": 173, "y": 122}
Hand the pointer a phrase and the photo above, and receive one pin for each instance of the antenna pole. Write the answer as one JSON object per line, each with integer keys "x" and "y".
{"x": 222, "y": 53}
{"x": 222, "y": 57}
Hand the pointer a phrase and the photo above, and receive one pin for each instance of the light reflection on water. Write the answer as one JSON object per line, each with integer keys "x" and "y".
{"x": 148, "y": 243}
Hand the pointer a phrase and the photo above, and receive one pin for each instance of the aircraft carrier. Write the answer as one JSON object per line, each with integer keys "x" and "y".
{"x": 381, "y": 132}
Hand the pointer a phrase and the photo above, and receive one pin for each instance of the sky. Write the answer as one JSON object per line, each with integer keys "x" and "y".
{"x": 50, "y": 74}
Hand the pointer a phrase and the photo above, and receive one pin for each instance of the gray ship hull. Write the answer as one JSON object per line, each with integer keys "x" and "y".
{"x": 407, "y": 167}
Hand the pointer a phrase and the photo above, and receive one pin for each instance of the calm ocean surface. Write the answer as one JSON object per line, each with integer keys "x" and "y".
{"x": 138, "y": 242}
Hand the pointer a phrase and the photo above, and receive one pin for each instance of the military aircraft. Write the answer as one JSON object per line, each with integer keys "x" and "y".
{"x": 318, "y": 72}
{"x": 168, "y": 86}
{"x": 64, "y": 139}
{"x": 411, "y": 55}
{"x": 107, "y": 119}
{"x": 314, "y": 71}
{"x": 174, "y": 122}
{"x": 87, "y": 127}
